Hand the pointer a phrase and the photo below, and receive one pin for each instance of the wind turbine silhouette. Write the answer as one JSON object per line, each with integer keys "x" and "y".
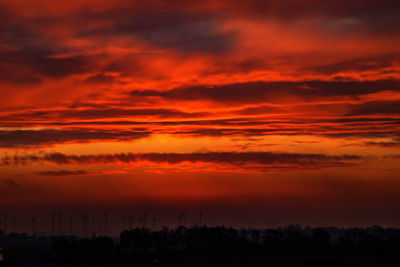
{"x": 14, "y": 223}
{"x": 201, "y": 218}
{"x": 60, "y": 215}
{"x": 85, "y": 223}
{"x": 123, "y": 222}
{"x": 106, "y": 213}
{"x": 182, "y": 219}
{"x": 143, "y": 219}
{"x": 5, "y": 221}
{"x": 155, "y": 219}
{"x": 71, "y": 223}
{"x": 33, "y": 225}
{"x": 53, "y": 220}
{"x": 130, "y": 219}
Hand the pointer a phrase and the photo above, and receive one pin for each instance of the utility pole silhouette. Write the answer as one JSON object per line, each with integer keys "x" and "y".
{"x": 53, "y": 221}
{"x": 155, "y": 219}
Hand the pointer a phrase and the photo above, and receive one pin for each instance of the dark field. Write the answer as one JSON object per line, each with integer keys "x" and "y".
{"x": 205, "y": 246}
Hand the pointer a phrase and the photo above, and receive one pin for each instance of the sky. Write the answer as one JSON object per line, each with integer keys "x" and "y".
{"x": 254, "y": 112}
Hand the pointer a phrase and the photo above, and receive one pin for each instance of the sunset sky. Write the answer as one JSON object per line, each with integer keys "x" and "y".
{"x": 254, "y": 112}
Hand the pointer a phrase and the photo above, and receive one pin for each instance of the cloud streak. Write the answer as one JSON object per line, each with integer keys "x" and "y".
{"x": 48, "y": 137}
{"x": 63, "y": 173}
{"x": 261, "y": 92}
{"x": 267, "y": 160}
